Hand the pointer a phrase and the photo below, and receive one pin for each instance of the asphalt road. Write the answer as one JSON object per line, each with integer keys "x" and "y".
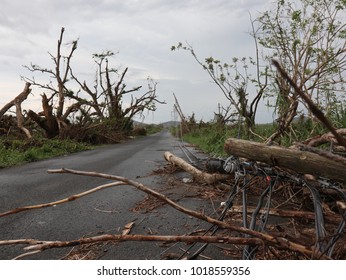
{"x": 106, "y": 211}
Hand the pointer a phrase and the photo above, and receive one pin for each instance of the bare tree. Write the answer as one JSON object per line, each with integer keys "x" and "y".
{"x": 109, "y": 90}
{"x": 53, "y": 118}
{"x": 233, "y": 80}
{"x": 308, "y": 38}
{"x": 92, "y": 105}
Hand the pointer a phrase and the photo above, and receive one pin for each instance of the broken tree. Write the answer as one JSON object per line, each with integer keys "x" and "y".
{"x": 300, "y": 161}
{"x": 17, "y": 102}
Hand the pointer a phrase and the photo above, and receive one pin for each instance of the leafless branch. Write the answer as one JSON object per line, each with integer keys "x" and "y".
{"x": 71, "y": 198}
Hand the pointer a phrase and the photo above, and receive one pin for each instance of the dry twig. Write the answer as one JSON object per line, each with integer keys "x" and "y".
{"x": 71, "y": 198}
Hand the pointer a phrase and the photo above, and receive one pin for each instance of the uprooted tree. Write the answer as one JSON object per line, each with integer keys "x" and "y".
{"x": 71, "y": 107}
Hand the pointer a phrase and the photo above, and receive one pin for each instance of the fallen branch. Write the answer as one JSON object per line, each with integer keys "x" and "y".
{"x": 324, "y": 138}
{"x": 17, "y": 102}
{"x": 19, "y": 99}
{"x": 39, "y": 246}
{"x": 279, "y": 242}
{"x": 202, "y": 177}
{"x": 44, "y": 245}
{"x": 68, "y": 199}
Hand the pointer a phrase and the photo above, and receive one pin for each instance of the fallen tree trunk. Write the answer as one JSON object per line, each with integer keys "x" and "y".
{"x": 298, "y": 161}
{"x": 200, "y": 176}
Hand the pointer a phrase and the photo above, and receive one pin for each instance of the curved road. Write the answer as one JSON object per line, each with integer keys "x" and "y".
{"x": 106, "y": 211}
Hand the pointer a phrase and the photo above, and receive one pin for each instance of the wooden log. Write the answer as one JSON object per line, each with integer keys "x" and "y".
{"x": 200, "y": 176}
{"x": 299, "y": 161}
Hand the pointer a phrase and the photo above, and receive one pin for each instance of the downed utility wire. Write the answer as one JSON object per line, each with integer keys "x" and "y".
{"x": 248, "y": 250}
{"x": 214, "y": 228}
{"x": 233, "y": 165}
{"x": 268, "y": 239}
{"x": 279, "y": 242}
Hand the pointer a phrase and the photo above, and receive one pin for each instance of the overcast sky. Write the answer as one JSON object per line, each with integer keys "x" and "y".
{"x": 142, "y": 32}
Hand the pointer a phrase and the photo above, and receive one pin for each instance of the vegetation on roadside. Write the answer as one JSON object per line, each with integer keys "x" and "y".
{"x": 298, "y": 69}
{"x": 307, "y": 38}
{"x": 210, "y": 137}
{"x": 75, "y": 113}
{"x": 96, "y": 111}
{"x": 15, "y": 151}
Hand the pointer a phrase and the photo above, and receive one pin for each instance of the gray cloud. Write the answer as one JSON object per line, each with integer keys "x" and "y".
{"x": 142, "y": 32}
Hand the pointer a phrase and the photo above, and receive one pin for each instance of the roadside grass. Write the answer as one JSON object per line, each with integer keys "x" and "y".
{"x": 211, "y": 138}
{"x": 15, "y": 152}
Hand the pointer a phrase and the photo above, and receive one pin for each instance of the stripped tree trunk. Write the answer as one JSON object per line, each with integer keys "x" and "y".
{"x": 17, "y": 102}
{"x": 300, "y": 161}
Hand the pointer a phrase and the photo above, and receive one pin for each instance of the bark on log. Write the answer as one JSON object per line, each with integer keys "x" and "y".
{"x": 298, "y": 161}
{"x": 200, "y": 176}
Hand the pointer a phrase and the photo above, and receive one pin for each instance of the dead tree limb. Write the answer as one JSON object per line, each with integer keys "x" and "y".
{"x": 19, "y": 99}
{"x": 43, "y": 245}
{"x": 18, "y": 103}
{"x": 202, "y": 177}
{"x": 326, "y": 138}
{"x": 71, "y": 198}
{"x": 312, "y": 107}
{"x": 299, "y": 161}
{"x": 20, "y": 119}
{"x": 279, "y": 242}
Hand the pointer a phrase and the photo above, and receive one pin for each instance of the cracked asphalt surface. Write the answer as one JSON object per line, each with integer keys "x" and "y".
{"x": 106, "y": 211}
